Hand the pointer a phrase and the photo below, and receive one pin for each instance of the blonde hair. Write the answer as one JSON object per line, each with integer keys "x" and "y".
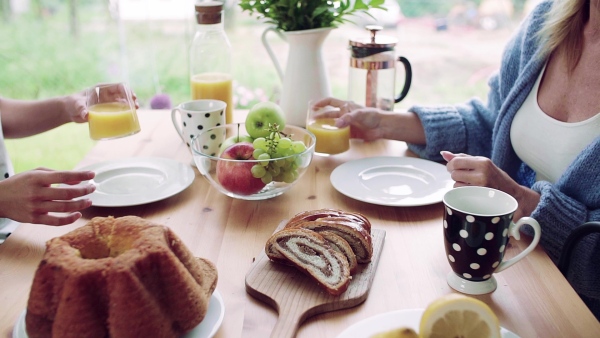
{"x": 563, "y": 29}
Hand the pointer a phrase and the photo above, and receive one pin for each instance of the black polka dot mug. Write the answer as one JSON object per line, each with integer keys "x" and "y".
{"x": 193, "y": 117}
{"x": 477, "y": 226}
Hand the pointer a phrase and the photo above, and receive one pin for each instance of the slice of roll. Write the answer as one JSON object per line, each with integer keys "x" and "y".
{"x": 351, "y": 226}
{"x": 319, "y": 214}
{"x": 339, "y": 244}
{"x": 311, "y": 253}
{"x": 359, "y": 239}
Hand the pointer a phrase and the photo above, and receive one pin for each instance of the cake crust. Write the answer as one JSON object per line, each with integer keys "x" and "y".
{"x": 118, "y": 277}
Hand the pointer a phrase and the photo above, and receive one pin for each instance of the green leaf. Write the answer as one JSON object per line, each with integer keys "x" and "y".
{"x": 290, "y": 15}
{"x": 359, "y": 4}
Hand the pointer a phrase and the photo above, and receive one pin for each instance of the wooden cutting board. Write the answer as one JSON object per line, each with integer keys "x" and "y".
{"x": 297, "y": 297}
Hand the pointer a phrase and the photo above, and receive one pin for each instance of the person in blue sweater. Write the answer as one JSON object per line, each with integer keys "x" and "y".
{"x": 537, "y": 137}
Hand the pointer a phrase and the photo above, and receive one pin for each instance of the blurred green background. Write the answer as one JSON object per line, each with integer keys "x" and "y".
{"x": 57, "y": 47}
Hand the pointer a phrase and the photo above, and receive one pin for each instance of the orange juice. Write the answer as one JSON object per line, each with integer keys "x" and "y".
{"x": 216, "y": 86}
{"x": 111, "y": 120}
{"x": 330, "y": 139}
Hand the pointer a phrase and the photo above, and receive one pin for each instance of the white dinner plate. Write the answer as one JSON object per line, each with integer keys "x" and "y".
{"x": 138, "y": 180}
{"x": 393, "y": 181}
{"x": 393, "y": 320}
{"x": 206, "y": 329}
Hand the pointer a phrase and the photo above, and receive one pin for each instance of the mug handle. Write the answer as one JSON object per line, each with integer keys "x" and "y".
{"x": 176, "y": 123}
{"x": 407, "y": 78}
{"x": 513, "y": 231}
{"x": 265, "y": 43}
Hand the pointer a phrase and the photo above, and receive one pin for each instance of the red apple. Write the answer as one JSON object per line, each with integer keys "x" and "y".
{"x": 237, "y": 177}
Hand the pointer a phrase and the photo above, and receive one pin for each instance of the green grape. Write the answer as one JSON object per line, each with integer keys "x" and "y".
{"x": 278, "y": 178}
{"x": 284, "y": 143}
{"x": 274, "y": 170}
{"x": 277, "y": 154}
{"x": 298, "y": 147}
{"x": 267, "y": 178}
{"x": 258, "y": 171}
{"x": 264, "y": 159}
{"x": 288, "y": 152}
{"x": 260, "y": 143}
{"x": 280, "y": 163}
{"x": 257, "y": 152}
{"x": 288, "y": 177}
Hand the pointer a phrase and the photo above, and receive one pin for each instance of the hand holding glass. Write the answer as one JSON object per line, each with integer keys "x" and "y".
{"x": 111, "y": 111}
{"x": 330, "y": 139}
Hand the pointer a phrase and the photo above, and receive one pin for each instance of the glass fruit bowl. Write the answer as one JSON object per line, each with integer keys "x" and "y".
{"x": 223, "y": 155}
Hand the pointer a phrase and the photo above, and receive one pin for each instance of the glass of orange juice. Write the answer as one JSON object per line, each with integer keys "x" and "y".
{"x": 111, "y": 111}
{"x": 331, "y": 140}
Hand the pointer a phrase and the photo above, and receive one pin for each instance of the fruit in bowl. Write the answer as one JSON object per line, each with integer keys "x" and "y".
{"x": 236, "y": 176}
{"x": 254, "y": 168}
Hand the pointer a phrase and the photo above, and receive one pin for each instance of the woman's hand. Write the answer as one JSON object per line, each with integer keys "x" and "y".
{"x": 481, "y": 171}
{"x": 371, "y": 124}
{"x": 365, "y": 123}
{"x": 76, "y": 108}
{"x": 31, "y": 197}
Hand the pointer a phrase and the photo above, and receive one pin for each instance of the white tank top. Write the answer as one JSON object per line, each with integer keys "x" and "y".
{"x": 545, "y": 144}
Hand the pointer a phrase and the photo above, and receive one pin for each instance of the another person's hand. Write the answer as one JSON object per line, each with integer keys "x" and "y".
{"x": 31, "y": 197}
{"x": 481, "y": 171}
{"x": 365, "y": 123}
{"x": 75, "y": 106}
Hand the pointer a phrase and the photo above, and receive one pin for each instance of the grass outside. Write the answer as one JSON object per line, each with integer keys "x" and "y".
{"x": 39, "y": 59}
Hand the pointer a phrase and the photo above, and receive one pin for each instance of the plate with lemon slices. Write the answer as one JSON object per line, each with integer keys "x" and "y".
{"x": 453, "y": 315}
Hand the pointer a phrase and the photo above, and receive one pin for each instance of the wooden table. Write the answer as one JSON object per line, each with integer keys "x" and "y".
{"x": 532, "y": 299}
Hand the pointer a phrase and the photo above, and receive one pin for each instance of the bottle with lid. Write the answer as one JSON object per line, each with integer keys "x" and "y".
{"x": 210, "y": 57}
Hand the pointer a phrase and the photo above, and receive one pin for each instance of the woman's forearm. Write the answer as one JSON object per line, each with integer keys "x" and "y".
{"x": 528, "y": 200}
{"x": 25, "y": 118}
{"x": 403, "y": 126}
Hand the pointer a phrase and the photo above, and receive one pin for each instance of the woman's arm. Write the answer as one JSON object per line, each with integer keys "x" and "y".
{"x": 22, "y": 118}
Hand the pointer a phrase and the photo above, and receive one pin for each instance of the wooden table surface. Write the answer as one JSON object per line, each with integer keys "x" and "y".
{"x": 533, "y": 299}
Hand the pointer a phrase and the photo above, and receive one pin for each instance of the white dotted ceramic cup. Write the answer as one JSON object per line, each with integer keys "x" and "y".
{"x": 193, "y": 117}
{"x": 477, "y": 227}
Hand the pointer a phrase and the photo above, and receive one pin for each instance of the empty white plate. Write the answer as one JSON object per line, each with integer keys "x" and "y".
{"x": 393, "y": 181}
{"x": 138, "y": 180}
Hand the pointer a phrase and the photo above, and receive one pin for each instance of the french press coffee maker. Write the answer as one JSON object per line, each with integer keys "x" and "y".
{"x": 372, "y": 79}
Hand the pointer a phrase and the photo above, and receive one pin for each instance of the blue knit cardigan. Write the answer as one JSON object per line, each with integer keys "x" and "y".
{"x": 484, "y": 130}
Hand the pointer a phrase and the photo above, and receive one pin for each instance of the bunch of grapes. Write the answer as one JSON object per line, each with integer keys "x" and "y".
{"x": 277, "y": 145}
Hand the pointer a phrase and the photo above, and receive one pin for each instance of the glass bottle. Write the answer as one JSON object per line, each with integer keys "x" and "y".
{"x": 210, "y": 57}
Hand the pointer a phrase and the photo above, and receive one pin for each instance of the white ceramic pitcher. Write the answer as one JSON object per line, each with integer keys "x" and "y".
{"x": 305, "y": 76}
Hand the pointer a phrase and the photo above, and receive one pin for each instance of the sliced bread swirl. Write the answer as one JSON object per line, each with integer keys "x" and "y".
{"x": 321, "y": 214}
{"x": 359, "y": 239}
{"x": 311, "y": 253}
{"x": 339, "y": 244}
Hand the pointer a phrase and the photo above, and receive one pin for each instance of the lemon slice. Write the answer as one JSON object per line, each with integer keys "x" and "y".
{"x": 403, "y": 332}
{"x": 456, "y": 315}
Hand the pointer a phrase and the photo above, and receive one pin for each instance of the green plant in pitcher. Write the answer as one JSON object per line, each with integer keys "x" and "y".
{"x": 295, "y": 15}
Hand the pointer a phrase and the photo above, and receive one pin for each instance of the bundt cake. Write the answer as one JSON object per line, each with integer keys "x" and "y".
{"x": 309, "y": 252}
{"x": 118, "y": 277}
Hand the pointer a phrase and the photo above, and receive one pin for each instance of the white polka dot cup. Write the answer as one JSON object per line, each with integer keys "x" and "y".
{"x": 477, "y": 227}
{"x": 193, "y": 117}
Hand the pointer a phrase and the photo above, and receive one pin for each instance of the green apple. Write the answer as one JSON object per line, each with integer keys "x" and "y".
{"x": 233, "y": 140}
{"x": 259, "y": 117}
